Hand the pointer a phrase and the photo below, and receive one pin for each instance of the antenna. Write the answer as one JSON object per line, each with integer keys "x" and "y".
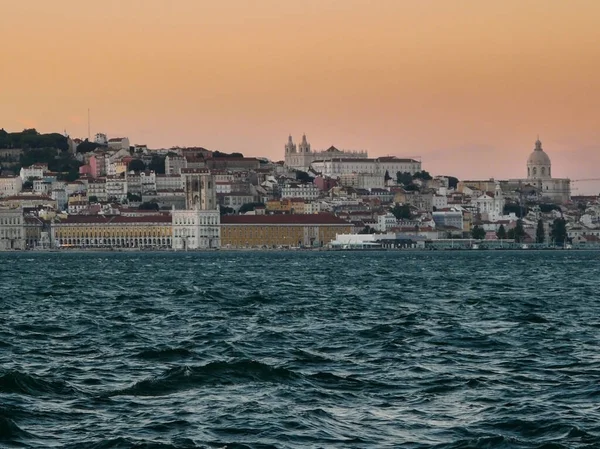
{"x": 89, "y": 135}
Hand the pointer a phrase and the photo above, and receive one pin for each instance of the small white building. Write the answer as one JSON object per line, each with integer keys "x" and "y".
{"x": 33, "y": 171}
{"x": 10, "y": 185}
{"x": 119, "y": 143}
{"x": 386, "y": 221}
{"x": 12, "y": 229}
{"x": 174, "y": 164}
{"x": 196, "y": 229}
{"x": 169, "y": 182}
{"x": 306, "y": 191}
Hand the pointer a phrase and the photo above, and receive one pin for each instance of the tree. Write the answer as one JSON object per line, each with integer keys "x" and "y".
{"x": 401, "y": 211}
{"x": 137, "y": 165}
{"x": 93, "y": 199}
{"x": 547, "y": 208}
{"x": 387, "y": 176}
{"x": 151, "y": 205}
{"x": 516, "y": 209}
{"x": 404, "y": 178}
{"x": 87, "y": 146}
{"x": 249, "y": 207}
{"x": 302, "y": 176}
{"x": 559, "y": 231}
{"x": 224, "y": 210}
{"x": 367, "y": 230}
{"x": 478, "y": 233}
{"x": 132, "y": 197}
{"x": 540, "y": 232}
{"x": 518, "y": 232}
{"x": 501, "y": 234}
{"x": 424, "y": 175}
{"x": 157, "y": 164}
{"x": 452, "y": 182}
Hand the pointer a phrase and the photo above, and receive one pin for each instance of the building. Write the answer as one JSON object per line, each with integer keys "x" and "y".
{"x": 33, "y": 171}
{"x": 169, "y": 183}
{"x": 301, "y": 157}
{"x": 539, "y": 174}
{"x": 116, "y": 231}
{"x": 363, "y": 180}
{"x": 233, "y": 163}
{"x": 490, "y": 204}
{"x": 119, "y": 143}
{"x": 336, "y": 167}
{"x": 200, "y": 190}
{"x": 306, "y": 191}
{"x": 448, "y": 218}
{"x": 174, "y": 164}
{"x": 12, "y": 229}
{"x": 116, "y": 187}
{"x": 10, "y": 185}
{"x": 101, "y": 139}
{"x": 196, "y": 229}
{"x": 271, "y": 231}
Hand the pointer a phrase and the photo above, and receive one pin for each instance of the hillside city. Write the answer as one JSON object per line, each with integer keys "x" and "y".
{"x": 107, "y": 193}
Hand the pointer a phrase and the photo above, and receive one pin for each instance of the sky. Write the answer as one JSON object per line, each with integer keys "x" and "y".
{"x": 467, "y": 85}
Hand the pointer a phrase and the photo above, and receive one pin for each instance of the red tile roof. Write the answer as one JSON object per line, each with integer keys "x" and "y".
{"x": 312, "y": 219}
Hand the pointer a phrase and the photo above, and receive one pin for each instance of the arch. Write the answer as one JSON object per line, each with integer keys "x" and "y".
{"x": 543, "y": 171}
{"x": 534, "y": 171}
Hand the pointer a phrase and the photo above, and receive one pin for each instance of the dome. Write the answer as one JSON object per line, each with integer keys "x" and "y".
{"x": 538, "y": 156}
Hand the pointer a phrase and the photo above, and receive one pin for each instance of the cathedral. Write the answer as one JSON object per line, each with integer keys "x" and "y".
{"x": 539, "y": 176}
{"x": 300, "y": 157}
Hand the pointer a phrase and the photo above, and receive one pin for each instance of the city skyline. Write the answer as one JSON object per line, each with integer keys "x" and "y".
{"x": 466, "y": 86}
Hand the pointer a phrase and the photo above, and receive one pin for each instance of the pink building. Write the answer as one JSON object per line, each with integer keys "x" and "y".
{"x": 98, "y": 165}
{"x": 85, "y": 170}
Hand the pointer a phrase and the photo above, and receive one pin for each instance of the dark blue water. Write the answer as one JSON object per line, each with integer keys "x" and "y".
{"x": 287, "y": 350}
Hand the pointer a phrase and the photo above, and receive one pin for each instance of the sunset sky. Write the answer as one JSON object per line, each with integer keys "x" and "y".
{"x": 466, "y": 85}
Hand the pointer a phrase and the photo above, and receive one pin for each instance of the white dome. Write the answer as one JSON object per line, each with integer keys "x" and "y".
{"x": 538, "y": 156}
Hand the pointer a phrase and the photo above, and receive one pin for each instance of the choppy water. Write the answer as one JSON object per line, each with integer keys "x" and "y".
{"x": 261, "y": 350}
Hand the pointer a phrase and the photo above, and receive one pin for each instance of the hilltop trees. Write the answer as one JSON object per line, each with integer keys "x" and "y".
{"x": 559, "y": 231}
{"x": 540, "y": 232}
{"x": 501, "y": 234}
{"x": 478, "y": 232}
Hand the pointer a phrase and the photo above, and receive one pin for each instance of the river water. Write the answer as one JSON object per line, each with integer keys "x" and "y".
{"x": 292, "y": 349}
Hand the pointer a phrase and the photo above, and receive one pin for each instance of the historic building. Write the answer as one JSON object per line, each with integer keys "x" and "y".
{"x": 301, "y": 157}
{"x": 539, "y": 176}
{"x": 490, "y": 204}
{"x": 116, "y": 231}
{"x": 12, "y": 229}
{"x": 336, "y": 167}
{"x": 196, "y": 229}
{"x": 200, "y": 189}
{"x": 10, "y": 185}
{"x": 271, "y": 231}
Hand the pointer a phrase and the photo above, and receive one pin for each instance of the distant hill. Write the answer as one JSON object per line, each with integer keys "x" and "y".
{"x": 31, "y": 139}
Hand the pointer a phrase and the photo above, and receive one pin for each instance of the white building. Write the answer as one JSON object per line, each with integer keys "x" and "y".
{"x": 301, "y": 157}
{"x": 307, "y": 191}
{"x": 116, "y": 187}
{"x": 335, "y": 168}
{"x": 363, "y": 180}
{"x": 452, "y": 218}
{"x": 148, "y": 181}
{"x": 386, "y": 221}
{"x": 439, "y": 201}
{"x": 33, "y": 171}
{"x": 490, "y": 204}
{"x": 97, "y": 188}
{"x": 12, "y": 229}
{"x": 196, "y": 229}
{"x": 10, "y": 185}
{"x": 174, "y": 164}
{"x": 169, "y": 182}
{"x": 119, "y": 143}
{"x": 101, "y": 139}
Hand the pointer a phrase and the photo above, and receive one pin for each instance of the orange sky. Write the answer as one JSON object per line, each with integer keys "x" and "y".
{"x": 467, "y": 85}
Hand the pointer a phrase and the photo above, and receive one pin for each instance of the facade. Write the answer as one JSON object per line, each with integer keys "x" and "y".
{"x": 196, "y": 229}
{"x": 301, "y": 157}
{"x": 116, "y": 187}
{"x": 174, "y": 164}
{"x": 33, "y": 228}
{"x": 12, "y": 229}
{"x": 450, "y": 218}
{"x": 200, "y": 190}
{"x": 119, "y": 143}
{"x": 233, "y": 163}
{"x": 336, "y": 167}
{"x": 363, "y": 180}
{"x": 491, "y": 204}
{"x": 33, "y": 171}
{"x": 97, "y": 231}
{"x": 174, "y": 182}
{"x": 97, "y": 188}
{"x": 306, "y": 191}
{"x": 10, "y": 185}
{"x": 246, "y": 231}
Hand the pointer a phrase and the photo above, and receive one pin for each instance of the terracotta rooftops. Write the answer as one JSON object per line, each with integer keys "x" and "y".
{"x": 311, "y": 219}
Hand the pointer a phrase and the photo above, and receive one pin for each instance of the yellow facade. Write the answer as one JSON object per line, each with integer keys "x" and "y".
{"x": 112, "y": 234}
{"x": 276, "y": 235}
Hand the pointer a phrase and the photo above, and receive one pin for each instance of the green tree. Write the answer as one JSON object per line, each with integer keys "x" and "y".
{"x": 424, "y": 175}
{"x": 302, "y": 176}
{"x": 224, "y": 210}
{"x": 249, "y": 207}
{"x": 157, "y": 164}
{"x": 133, "y": 197}
{"x": 86, "y": 146}
{"x": 452, "y": 182}
{"x": 367, "y": 230}
{"x": 404, "y": 178}
{"x": 387, "y": 176}
{"x": 93, "y": 199}
{"x": 149, "y": 205}
{"x": 518, "y": 232}
{"x": 501, "y": 234}
{"x": 478, "y": 232}
{"x": 540, "y": 232}
{"x": 401, "y": 211}
{"x": 137, "y": 165}
{"x": 559, "y": 231}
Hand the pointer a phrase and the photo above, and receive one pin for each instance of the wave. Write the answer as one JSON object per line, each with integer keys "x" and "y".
{"x": 214, "y": 373}
{"x": 164, "y": 354}
{"x": 21, "y": 383}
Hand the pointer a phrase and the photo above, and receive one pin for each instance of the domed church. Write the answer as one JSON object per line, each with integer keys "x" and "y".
{"x": 539, "y": 175}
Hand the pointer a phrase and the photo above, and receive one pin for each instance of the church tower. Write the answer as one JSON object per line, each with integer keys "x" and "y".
{"x": 304, "y": 146}
{"x": 290, "y": 147}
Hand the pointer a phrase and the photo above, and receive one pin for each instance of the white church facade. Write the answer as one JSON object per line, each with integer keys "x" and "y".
{"x": 301, "y": 157}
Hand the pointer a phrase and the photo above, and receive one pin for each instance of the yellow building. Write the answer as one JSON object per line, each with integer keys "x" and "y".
{"x": 97, "y": 231}
{"x": 271, "y": 231}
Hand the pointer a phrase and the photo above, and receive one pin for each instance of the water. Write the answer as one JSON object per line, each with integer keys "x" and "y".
{"x": 287, "y": 350}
